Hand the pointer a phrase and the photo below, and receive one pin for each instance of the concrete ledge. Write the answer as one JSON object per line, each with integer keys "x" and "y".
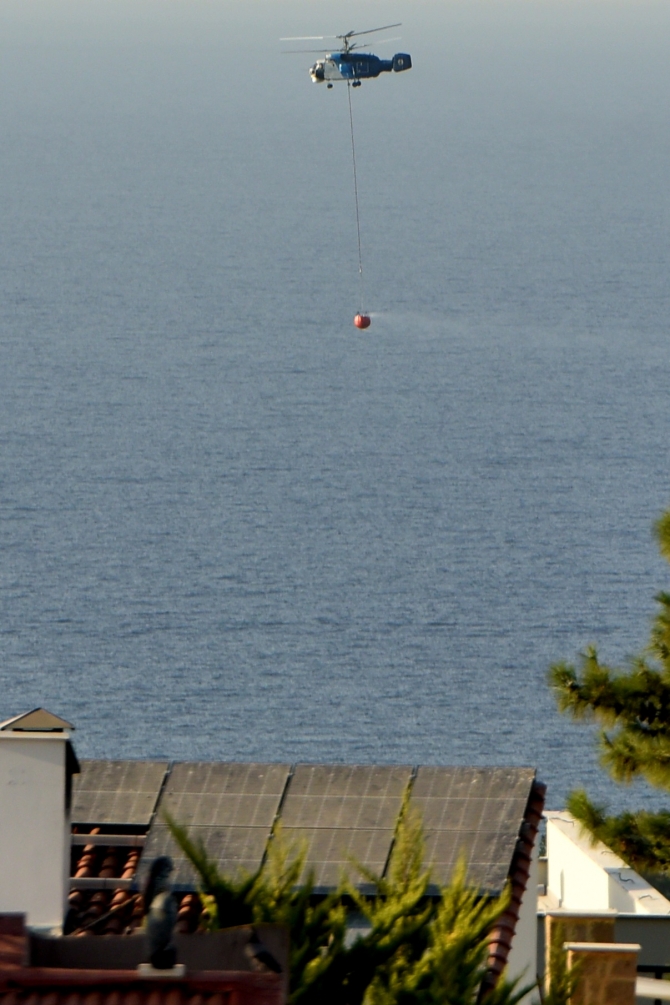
{"x": 176, "y": 973}
{"x": 602, "y": 947}
{"x": 569, "y": 912}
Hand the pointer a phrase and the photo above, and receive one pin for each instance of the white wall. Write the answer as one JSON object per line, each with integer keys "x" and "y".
{"x": 573, "y": 878}
{"x": 34, "y": 829}
{"x": 587, "y": 876}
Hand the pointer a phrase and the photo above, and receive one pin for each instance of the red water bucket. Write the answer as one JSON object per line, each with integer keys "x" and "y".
{"x": 362, "y": 321}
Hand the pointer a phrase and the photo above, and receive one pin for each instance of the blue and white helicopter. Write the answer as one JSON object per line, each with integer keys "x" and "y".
{"x": 349, "y": 64}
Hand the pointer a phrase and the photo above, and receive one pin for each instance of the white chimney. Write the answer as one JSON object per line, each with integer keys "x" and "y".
{"x": 37, "y": 762}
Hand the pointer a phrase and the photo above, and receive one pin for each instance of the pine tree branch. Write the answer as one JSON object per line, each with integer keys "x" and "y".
{"x": 638, "y": 697}
{"x": 634, "y": 751}
{"x": 662, "y": 531}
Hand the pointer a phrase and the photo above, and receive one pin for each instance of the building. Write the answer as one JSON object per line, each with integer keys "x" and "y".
{"x": 37, "y": 764}
{"x": 343, "y": 811}
{"x": 590, "y": 893}
{"x": 103, "y": 823}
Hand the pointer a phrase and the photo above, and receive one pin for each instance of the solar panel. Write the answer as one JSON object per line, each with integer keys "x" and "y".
{"x": 201, "y": 794}
{"x": 343, "y": 812}
{"x": 475, "y": 813}
{"x": 348, "y": 780}
{"x": 232, "y": 849}
{"x": 117, "y": 792}
{"x": 228, "y": 807}
{"x": 330, "y": 853}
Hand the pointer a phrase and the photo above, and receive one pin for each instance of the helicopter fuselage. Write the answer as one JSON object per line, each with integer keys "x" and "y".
{"x": 356, "y": 66}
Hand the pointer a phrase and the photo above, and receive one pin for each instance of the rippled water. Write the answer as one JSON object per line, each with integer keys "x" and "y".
{"x": 233, "y": 526}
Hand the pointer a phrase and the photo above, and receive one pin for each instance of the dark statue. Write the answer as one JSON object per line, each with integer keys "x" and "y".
{"x": 161, "y": 914}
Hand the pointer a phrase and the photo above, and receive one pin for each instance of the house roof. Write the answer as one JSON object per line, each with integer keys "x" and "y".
{"x": 341, "y": 811}
{"x": 519, "y": 874}
{"x": 490, "y": 814}
{"x": 37, "y": 721}
{"x": 476, "y": 812}
{"x": 123, "y": 793}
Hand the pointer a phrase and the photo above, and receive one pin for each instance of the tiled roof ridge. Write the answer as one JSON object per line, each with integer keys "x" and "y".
{"x": 519, "y": 874}
{"x": 60, "y": 986}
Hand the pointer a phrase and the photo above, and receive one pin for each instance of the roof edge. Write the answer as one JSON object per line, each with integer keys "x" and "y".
{"x": 518, "y": 876}
{"x": 38, "y": 720}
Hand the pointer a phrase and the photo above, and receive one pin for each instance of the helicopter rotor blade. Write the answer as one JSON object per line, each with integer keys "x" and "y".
{"x": 286, "y": 52}
{"x": 308, "y": 38}
{"x": 370, "y": 31}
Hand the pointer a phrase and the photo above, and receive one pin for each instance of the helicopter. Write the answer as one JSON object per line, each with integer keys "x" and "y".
{"x": 348, "y": 64}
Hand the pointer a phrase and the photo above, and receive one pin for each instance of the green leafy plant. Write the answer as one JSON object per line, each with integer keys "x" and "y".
{"x": 413, "y": 948}
{"x": 396, "y": 913}
{"x": 452, "y": 965}
{"x": 227, "y": 899}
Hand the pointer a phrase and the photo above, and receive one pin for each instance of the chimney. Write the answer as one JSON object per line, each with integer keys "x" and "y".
{"x": 37, "y": 761}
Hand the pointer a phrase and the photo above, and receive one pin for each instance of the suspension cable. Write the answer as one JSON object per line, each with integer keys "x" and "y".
{"x": 358, "y": 216}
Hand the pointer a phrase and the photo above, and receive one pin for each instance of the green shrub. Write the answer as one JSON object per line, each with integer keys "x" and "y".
{"x": 414, "y": 949}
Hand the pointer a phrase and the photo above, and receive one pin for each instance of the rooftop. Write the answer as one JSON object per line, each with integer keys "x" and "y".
{"x": 63, "y": 971}
{"x": 343, "y": 811}
{"x": 490, "y": 815}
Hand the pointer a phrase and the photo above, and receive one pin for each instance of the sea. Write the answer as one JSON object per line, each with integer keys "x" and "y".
{"x": 233, "y": 526}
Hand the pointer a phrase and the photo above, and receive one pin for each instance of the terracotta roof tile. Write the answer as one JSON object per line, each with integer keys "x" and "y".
{"x": 116, "y": 910}
{"x": 11, "y": 951}
{"x": 90, "y": 987}
{"x": 503, "y": 934}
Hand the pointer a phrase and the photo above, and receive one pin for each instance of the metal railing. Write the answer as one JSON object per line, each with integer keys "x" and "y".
{"x": 658, "y": 971}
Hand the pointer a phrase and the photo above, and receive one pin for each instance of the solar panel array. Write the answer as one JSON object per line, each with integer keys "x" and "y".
{"x": 342, "y": 812}
{"x": 475, "y": 813}
{"x": 228, "y": 807}
{"x": 339, "y": 813}
{"x": 123, "y": 793}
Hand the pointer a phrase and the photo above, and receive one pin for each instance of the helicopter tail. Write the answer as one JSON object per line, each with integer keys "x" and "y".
{"x": 402, "y": 61}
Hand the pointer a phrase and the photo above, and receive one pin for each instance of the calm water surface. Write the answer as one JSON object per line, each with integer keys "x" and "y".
{"x": 232, "y": 526}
